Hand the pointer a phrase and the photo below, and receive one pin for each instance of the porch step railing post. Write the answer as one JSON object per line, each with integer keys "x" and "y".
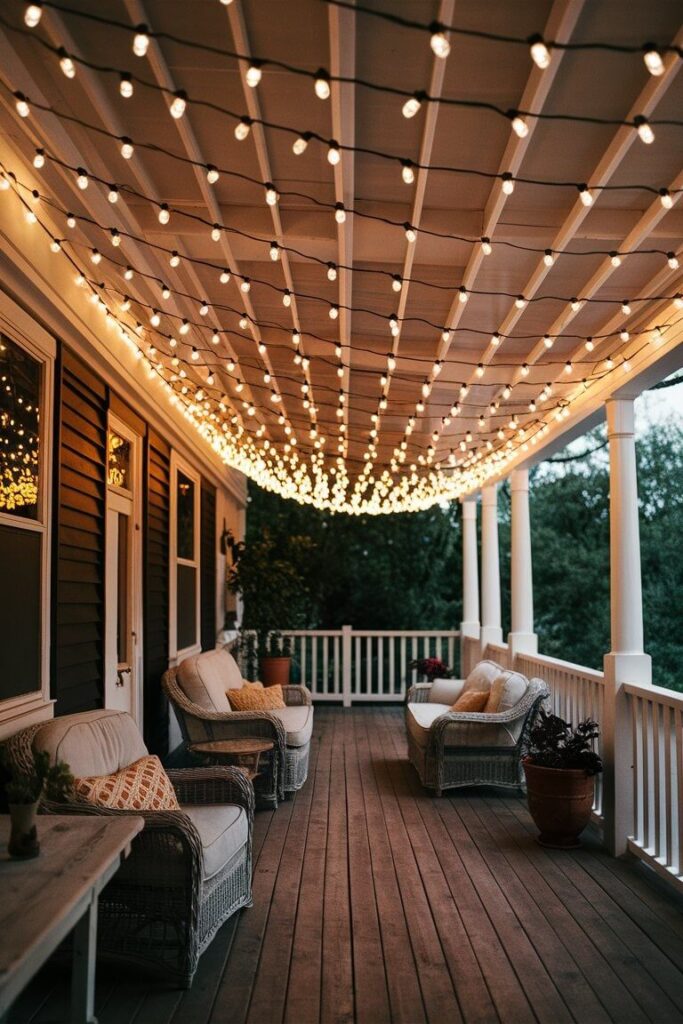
{"x": 626, "y": 662}
{"x": 346, "y": 665}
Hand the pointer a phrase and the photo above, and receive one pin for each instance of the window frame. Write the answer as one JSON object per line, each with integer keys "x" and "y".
{"x": 179, "y": 465}
{"x": 25, "y": 333}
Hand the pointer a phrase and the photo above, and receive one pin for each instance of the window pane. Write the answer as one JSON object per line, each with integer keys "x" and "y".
{"x": 187, "y": 607}
{"x": 20, "y": 612}
{"x": 122, "y": 634}
{"x": 185, "y": 506}
{"x": 118, "y": 469}
{"x": 19, "y": 430}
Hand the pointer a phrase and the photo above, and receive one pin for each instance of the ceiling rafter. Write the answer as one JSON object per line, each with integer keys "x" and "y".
{"x": 342, "y": 32}
{"x": 162, "y": 74}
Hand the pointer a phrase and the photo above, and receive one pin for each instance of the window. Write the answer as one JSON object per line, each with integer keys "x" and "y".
{"x": 26, "y": 363}
{"x": 185, "y": 488}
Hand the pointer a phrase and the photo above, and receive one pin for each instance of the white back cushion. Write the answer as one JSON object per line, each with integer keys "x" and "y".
{"x": 510, "y": 687}
{"x": 482, "y": 676}
{"x": 204, "y": 678}
{"x": 93, "y": 742}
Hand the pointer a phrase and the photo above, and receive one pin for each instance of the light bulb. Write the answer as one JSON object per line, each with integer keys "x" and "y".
{"x": 548, "y": 258}
{"x": 242, "y": 129}
{"x": 412, "y": 106}
{"x": 245, "y": 285}
{"x": 165, "y": 292}
{"x": 331, "y": 272}
{"x": 287, "y": 298}
{"x": 411, "y": 233}
{"x": 194, "y": 355}
{"x": 520, "y": 302}
{"x": 520, "y": 127}
{"x": 678, "y": 301}
{"x": 253, "y": 75}
{"x": 339, "y": 213}
{"x": 548, "y": 341}
{"x": 495, "y": 339}
{"x": 274, "y": 251}
{"x": 396, "y": 283}
{"x": 164, "y": 214}
{"x": 215, "y": 233}
{"x": 590, "y": 345}
{"x": 224, "y": 277}
{"x": 407, "y": 172}
{"x": 113, "y": 194}
{"x": 126, "y": 148}
{"x": 575, "y": 305}
{"x": 140, "y": 41}
{"x": 179, "y": 104}
{"x": 609, "y": 362}
{"x": 585, "y": 195}
{"x": 174, "y": 259}
{"x": 644, "y": 129}
{"x": 30, "y": 217}
{"x": 508, "y": 185}
{"x": 115, "y": 238}
{"x": 486, "y": 246}
{"x": 525, "y": 370}
{"x": 271, "y": 194}
{"x": 479, "y": 370}
{"x": 567, "y": 367}
{"x": 95, "y": 256}
{"x": 653, "y": 60}
{"x": 82, "y": 179}
{"x": 204, "y": 309}
{"x": 126, "y": 85}
{"x": 55, "y": 246}
{"x": 155, "y": 319}
{"x": 244, "y": 323}
{"x": 39, "y": 159}
{"x": 540, "y": 54}
{"x": 334, "y": 312}
{"x": 439, "y": 42}
{"x": 333, "y": 154}
{"x": 128, "y": 274}
{"x": 32, "y": 15}
{"x": 22, "y": 107}
{"x": 462, "y": 294}
{"x": 66, "y": 64}
{"x": 615, "y": 259}
{"x": 665, "y": 198}
{"x": 184, "y": 328}
{"x": 211, "y": 174}
{"x": 672, "y": 260}
{"x": 322, "y": 84}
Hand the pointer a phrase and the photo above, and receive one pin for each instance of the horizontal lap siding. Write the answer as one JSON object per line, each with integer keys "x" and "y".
{"x": 78, "y": 569}
{"x": 156, "y": 596}
{"x": 207, "y": 572}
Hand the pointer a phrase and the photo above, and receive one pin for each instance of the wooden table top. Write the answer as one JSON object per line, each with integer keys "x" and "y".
{"x": 37, "y": 894}
{"x": 235, "y": 747}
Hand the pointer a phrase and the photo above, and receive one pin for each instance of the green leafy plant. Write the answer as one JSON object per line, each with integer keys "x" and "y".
{"x": 553, "y": 743}
{"x": 53, "y": 782}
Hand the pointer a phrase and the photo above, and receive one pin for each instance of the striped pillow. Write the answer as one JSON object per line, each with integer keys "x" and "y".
{"x": 142, "y": 786}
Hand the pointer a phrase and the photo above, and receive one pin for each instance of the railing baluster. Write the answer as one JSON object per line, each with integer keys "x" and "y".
{"x": 326, "y": 653}
{"x": 657, "y": 779}
{"x": 335, "y": 670}
{"x": 393, "y": 688}
{"x": 667, "y": 737}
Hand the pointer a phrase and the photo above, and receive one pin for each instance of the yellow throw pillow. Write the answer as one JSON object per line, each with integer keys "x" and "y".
{"x": 495, "y": 695}
{"x": 254, "y": 697}
{"x": 471, "y": 700}
{"x": 142, "y": 786}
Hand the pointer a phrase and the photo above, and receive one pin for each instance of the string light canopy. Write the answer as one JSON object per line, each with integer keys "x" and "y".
{"x": 367, "y": 318}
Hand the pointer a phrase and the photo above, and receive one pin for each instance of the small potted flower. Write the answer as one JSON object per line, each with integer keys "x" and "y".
{"x": 24, "y": 793}
{"x": 432, "y": 668}
{"x": 560, "y": 768}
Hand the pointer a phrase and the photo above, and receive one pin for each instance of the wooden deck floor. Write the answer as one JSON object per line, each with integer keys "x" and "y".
{"x": 374, "y": 902}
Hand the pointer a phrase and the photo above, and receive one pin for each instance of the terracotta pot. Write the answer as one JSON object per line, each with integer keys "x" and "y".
{"x": 560, "y": 802}
{"x": 274, "y": 671}
{"x": 23, "y": 841}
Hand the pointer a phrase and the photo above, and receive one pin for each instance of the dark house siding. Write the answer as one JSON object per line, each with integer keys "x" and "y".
{"x": 207, "y": 568}
{"x": 156, "y": 590}
{"x": 79, "y": 520}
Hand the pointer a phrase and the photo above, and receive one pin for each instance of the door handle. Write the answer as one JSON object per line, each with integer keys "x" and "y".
{"x": 120, "y": 674}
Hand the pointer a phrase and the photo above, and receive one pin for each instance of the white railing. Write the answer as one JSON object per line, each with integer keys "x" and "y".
{"x": 576, "y": 693}
{"x": 657, "y": 737}
{"x": 351, "y": 665}
{"x": 499, "y": 653}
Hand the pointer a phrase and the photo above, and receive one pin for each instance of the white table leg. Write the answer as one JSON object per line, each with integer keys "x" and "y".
{"x": 83, "y": 972}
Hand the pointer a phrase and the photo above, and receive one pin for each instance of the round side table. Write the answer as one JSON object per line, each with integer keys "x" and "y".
{"x": 242, "y": 754}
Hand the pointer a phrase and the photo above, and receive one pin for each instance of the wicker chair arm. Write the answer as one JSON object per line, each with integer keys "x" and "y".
{"x": 296, "y": 695}
{"x": 418, "y": 693}
{"x": 445, "y": 728}
{"x": 213, "y": 785}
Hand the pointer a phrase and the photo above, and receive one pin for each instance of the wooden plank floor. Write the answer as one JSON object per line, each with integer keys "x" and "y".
{"x": 374, "y": 902}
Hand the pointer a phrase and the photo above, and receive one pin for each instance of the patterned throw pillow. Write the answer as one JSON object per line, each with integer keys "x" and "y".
{"x": 142, "y": 786}
{"x": 472, "y": 700}
{"x": 255, "y": 697}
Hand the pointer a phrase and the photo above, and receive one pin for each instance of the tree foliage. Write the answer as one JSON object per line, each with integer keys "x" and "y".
{"x": 404, "y": 571}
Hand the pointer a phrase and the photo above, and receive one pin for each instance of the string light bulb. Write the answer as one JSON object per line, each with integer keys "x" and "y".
{"x": 39, "y": 159}
{"x": 439, "y": 42}
{"x": 32, "y": 15}
{"x": 254, "y": 74}
{"x": 486, "y": 246}
{"x": 66, "y": 63}
{"x": 626, "y": 308}
{"x": 672, "y": 260}
{"x": 141, "y": 41}
{"x": 333, "y": 152}
{"x": 127, "y": 148}
{"x": 411, "y": 233}
{"x": 540, "y": 54}
{"x": 615, "y": 259}
{"x": 274, "y": 251}
{"x": 412, "y": 105}
{"x": 113, "y": 194}
{"x": 82, "y": 178}
{"x": 585, "y": 195}
{"x": 178, "y": 104}
{"x": 212, "y": 174}
{"x": 644, "y": 129}
{"x": 339, "y": 213}
{"x": 463, "y": 295}
{"x": 322, "y": 84}
{"x": 519, "y": 125}
{"x": 164, "y": 214}
{"x": 271, "y": 194}
{"x": 333, "y": 312}
{"x": 21, "y": 104}
{"x": 548, "y": 258}
{"x": 665, "y": 198}
{"x": 508, "y": 183}
{"x": 125, "y": 85}
{"x": 653, "y": 60}
{"x": 300, "y": 144}
{"x": 331, "y": 272}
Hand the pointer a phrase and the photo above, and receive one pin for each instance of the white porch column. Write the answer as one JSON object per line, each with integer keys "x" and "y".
{"x": 626, "y": 662}
{"x": 521, "y": 638}
{"x": 470, "y": 569}
{"x": 491, "y": 630}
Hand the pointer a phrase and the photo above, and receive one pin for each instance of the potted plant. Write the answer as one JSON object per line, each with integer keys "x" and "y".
{"x": 560, "y": 768}
{"x": 432, "y": 668}
{"x": 24, "y": 793}
{"x": 274, "y": 598}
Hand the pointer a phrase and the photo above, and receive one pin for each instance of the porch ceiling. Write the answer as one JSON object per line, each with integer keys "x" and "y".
{"x": 485, "y": 408}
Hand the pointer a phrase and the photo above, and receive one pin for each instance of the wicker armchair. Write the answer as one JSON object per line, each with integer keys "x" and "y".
{"x": 188, "y": 871}
{"x": 196, "y": 690}
{"x": 451, "y": 749}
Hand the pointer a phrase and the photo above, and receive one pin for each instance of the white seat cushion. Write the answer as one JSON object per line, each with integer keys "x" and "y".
{"x": 298, "y": 723}
{"x": 204, "y": 678}
{"x": 92, "y": 742}
{"x": 445, "y": 691}
{"x": 223, "y": 829}
{"x": 420, "y": 718}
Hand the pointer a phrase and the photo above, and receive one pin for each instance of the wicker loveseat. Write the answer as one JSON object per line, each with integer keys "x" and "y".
{"x": 450, "y": 749}
{"x": 197, "y": 691}
{"x": 188, "y": 871}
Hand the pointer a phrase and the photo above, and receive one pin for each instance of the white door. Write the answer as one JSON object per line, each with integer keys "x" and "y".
{"x": 123, "y": 649}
